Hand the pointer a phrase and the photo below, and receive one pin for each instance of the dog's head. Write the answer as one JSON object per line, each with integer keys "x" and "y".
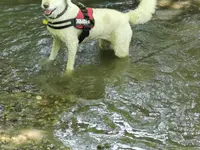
{"x": 54, "y": 7}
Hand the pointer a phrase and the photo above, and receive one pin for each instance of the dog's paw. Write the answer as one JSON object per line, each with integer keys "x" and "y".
{"x": 45, "y": 61}
{"x": 45, "y": 64}
{"x": 68, "y": 73}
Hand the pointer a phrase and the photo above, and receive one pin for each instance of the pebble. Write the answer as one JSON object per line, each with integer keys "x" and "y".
{"x": 38, "y": 97}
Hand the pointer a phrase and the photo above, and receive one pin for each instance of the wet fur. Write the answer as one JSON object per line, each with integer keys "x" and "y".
{"x": 110, "y": 25}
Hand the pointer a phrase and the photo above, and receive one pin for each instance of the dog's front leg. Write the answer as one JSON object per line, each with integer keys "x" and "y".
{"x": 55, "y": 48}
{"x": 72, "y": 49}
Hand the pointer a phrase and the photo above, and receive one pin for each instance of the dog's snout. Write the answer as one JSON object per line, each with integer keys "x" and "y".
{"x": 46, "y": 5}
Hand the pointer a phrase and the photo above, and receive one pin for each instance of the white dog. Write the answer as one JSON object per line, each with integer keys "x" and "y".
{"x": 110, "y": 26}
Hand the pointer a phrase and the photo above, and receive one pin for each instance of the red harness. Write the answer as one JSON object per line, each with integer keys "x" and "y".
{"x": 81, "y": 18}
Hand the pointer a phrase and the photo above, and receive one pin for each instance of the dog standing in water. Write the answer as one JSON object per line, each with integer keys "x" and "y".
{"x": 73, "y": 24}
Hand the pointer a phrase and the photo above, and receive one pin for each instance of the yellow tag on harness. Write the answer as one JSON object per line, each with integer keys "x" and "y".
{"x": 45, "y": 22}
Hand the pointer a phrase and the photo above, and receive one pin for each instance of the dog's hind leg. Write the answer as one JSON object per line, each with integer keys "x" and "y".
{"x": 55, "y": 48}
{"x": 120, "y": 40}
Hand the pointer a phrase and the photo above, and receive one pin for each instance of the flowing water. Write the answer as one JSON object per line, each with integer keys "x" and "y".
{"x": 149, "y": 101}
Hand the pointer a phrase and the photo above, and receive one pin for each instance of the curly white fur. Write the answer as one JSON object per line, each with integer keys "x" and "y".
{"x": 110, "y": 25}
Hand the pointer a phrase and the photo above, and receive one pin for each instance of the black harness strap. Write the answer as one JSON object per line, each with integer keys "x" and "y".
{"x": 63, "y": 21}
{"x": 59, "y": 27}
{"x": 72, "y": 22}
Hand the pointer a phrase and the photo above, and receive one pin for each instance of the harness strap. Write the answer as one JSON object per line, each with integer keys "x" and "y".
{"x": 84, "y": 34}
{"x": 50, "y": 24}
{"x": 60, "y": 27}
{"x": 86, "y": 30}
{"x": 63, "y": 21}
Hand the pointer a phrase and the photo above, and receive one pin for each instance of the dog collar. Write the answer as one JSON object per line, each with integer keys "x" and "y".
{"x": 59, "y": 15}
{"x": 54, "y": 24}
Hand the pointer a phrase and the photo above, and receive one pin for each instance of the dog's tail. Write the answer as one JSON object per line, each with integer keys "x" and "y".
{"x": 143, "y": 13}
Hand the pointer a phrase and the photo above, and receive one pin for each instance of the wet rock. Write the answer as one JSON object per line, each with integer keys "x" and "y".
{"x": 176, "y": 137}
{"x": 1, "y": 109}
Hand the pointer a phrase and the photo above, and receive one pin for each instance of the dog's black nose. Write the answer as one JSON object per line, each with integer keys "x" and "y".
{"x": 46, "y": 5}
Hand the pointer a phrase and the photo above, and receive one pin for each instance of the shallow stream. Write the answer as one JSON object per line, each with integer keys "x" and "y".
{"x": 149, "y": 101}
